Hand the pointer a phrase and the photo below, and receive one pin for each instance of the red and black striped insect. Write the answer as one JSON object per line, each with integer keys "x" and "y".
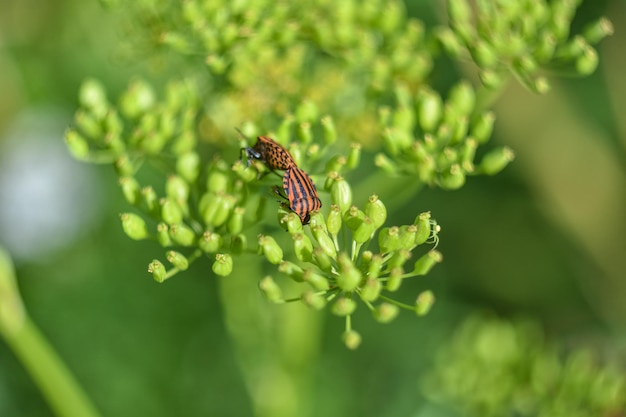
{"x": 301, "y": 193}
{"x": 271, "y": 153}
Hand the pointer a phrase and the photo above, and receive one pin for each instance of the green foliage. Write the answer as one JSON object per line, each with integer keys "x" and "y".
{"x": 493, "y": 367}
{"x": 318, "y": 77}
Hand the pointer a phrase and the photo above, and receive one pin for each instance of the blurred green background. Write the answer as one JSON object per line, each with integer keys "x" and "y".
{"x": 544, "y": 240}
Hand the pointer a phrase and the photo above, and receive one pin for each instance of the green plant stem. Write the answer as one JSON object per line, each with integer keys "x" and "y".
{"x": 50, "y": 374}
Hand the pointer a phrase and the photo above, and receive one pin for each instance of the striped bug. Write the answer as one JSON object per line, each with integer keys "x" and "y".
{"x": 271, "y": 153}
{"x": 301, "y": 193}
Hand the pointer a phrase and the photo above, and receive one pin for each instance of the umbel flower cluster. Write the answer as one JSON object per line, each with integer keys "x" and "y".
{"x": 268, "y": 68}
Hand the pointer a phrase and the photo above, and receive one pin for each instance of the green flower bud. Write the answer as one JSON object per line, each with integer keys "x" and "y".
{"x": 407, "y": 236}
{"x": 238, "y": 244}
{"x": 423, "y": 222}
{"x": 397, "y": 140}
{"x": 134, "y": 226}
{"x": 333, "y": 221}
{"x": 490, "y": 78}
{"x": 177, "y": 259}
{"x": 77, "y": 144}
{"x": 424, "y": 302}
{"x": 150, "y": 199}
{"x": 153, "y": 142}
{"x": 376, "y": 211}
{"x": 341, "y": 194}
{"x": 235, "y": 223}
{"x": 328, "y": 128}
{"x": 124, "y": 167}
{"x": 344, "y": 306}
{"x": 399, "y": 258}
{"x": 216, "y": 208}
{"x": 163, "y": 235}
{"x": 317, "y": 281}
{"x": 89, "y": 124}
{"x": 587, "y": 62}
{"x": 223, "y": 265}
{"x": 459, "y": 12}
{"x": 324, "y": 241}
{"x": 349, "y": 275}
{"x": 93, "y": 96}
{"x": 468, "y": 151}
{"x": 545, "y": 47}
{"x": 306, "y": 111}
{"x": 182, "y": 234}
{"x": 371, "y": 290}
{"x": 386, "y": 312}
{"x": 271, "y": 249}
{"x": 425, "y": 263}
{"x": 314, "y": 300}
{"x": 177, "y": 189}
{"x": 389, "y": 239}
{"x": 184, "y": 143}
{"x": 188, "y": 166}
{"x": 271, "y": 290}
{"x": 375, "y": 266}
{"x": 130, "y": 189}
{"x": 304, "y": 133}
{"x": 495, "y": 161}
{"x": 302, "y": 247}
{"x": 462, "y": 98}
{"x": 335, "y": 164}
{"x": 291, "y": 221}
{"x": 157, "y": 270}
{"x": 138, "y": 99}
{"x": 364, "y": 231}
{"x": 386, "y": 164}
{"x": 354, "y": 217}
{"x": 292, "y": 270}
{"x": 247, "y": 173}
{"x": 598, "y": 30}
{"x": 322, "y": 260}
{"x": 218, "y": 181}
{"x": 484, "y": 54}
{"x": 170, "y": 211}
{"x": 394, "y": 281}
{"x": 482, "y": 129}
{"x": 453, "y": 178}
{"x": 351, "y": 339}
{"x": 450, "y": 42}
{"x": 403, "y": 119}
{"x": 210, "y": 242}
{"x": 429, "y": 110}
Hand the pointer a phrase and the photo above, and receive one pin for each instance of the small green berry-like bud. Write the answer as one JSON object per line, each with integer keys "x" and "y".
{"x": 306, "y": 111}
{"x": 383, "y": 162}
{"x": 349, "y": 275}
{"x": 271, "y": 249}
{"x": 124, "y": 166}
{"x": 430, "y": 110}
{"x": 424, "y": 302}
{"x": 484, "y": 54}
{"x": 598, "y": 30}
{"x": 210, "y": 242}
{"x": 324, "y": 241}
{"x": 304, "y": 135}
{"x": 314, "y": 300}
{"x": 354, "y": 217}
{"x": 335, "y": 164}
{"x": 341, "y": 194}
{"x": 182, "y": 234}
{"x": 395, "y": 279}
{"x": 322, "y": 260}
{"x": 271, "y": 290}
{"x": 292, "y": 221}
{"x": 364, "y": 231}
{"x": 150, "y": 199}
{"x": 587, "y": 62}
{"x": 453, "y": 178}
{"x": 235, "y": 223}
{"x": 386, "y": 312}
{"x": 450, "y": 42}
{"x": 351, "y": 339}
{"x": 138, "y": 99}
{"x": 218, "y": 181}
{"x": 163, "y": 235}
{"x": 177, "y": 189}
{"x": 399, "y": 258}
{"x": 177, "y": 259}
{"x": 462, "y": 98}
{"x": 292, "y": 270}
{"x": 424, "y": 264}
{"x": 333, "y": 221}
{"x": 89, "y": 124}
{"x": 422, "y": 221}
{"x": 319, "y": 282}
{"x": 344, "y": 306}
{"x": 371, "y": 290}
{"x": 170, "y": 211}
{"x": 482, "y": 129}
{"x": 157, "y": 270}
{"x": 354, "y": 157}
{"x": 407, "y": 236}
{"x": 130, "y": 189}
{"x": 302, "y": 247}
{"x": 388, "y": 239}
{"x": 328, "y": 127}
{"x": 93, "y": 96}
{"x": 238, "y": 244}
{"x": 375, "y": 266}
{"x": 188, "y": 166}
{"x": 495, "y": 161}
{"x": 376, "y": 211}
{"x": 77, "y": 144}
{"x": 134, "y": 226}
{"x": 223, "y": 265}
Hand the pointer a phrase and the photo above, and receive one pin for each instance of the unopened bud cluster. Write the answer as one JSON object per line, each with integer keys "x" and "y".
{"x": 521, "y": 37}
{"x": 348, "y": 258}
{"x": 436, "y": 140}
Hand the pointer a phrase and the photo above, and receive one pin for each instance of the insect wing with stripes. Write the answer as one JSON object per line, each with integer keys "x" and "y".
{"x": 301, "y": 193}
